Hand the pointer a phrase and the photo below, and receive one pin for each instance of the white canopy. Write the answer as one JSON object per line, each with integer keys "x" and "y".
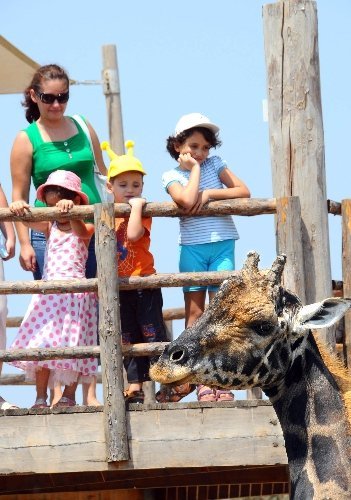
{"x": 16, "y": 69}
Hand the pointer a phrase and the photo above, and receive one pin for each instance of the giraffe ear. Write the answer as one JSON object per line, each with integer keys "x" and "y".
{"x": 322, "y": 314}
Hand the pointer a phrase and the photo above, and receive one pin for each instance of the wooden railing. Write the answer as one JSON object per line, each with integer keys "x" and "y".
{"x": 108, "y": 286}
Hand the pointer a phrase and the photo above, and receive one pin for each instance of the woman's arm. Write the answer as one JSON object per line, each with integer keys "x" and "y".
{"x": 7, "y": 229}
{"x": 97, "y": 150}
{"x": 21, "y": 171}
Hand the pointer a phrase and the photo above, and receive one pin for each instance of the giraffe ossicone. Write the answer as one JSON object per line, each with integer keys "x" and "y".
{"x": 255, "y": 333}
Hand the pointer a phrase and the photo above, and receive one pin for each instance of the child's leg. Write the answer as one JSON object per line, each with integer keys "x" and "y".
{"x": 68, "y": 397}
{"x": 194, "y": 306}
{"x": 41, "y": 381}
{"x": 55, "y": 394}
{"x": 89, "y": 393}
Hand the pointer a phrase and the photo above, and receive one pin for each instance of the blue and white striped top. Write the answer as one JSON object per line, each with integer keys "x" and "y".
{"x": 197, "y": 230}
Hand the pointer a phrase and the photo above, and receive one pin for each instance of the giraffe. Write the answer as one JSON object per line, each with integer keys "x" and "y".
{"x": 255, "y": 333}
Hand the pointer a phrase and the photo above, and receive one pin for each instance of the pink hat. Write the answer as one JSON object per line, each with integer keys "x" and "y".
{"x": 65, "y": 179}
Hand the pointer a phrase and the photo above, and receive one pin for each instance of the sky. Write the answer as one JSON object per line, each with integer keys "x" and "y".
{"x": 176, "y": 58}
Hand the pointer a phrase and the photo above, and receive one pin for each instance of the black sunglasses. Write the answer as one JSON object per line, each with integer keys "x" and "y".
{"x": 51, "y": 98}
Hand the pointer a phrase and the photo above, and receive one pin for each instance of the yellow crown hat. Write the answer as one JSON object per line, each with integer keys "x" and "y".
{"x": 123, "y": 163}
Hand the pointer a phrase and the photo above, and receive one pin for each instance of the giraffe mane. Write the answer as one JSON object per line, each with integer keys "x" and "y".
{"x": 341, "y": 375}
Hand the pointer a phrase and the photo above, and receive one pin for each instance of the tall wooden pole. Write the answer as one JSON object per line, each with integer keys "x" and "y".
{"x": 112, "y": 93}
{"x": 115, "y": 419}
{"x": 296, "y": 131}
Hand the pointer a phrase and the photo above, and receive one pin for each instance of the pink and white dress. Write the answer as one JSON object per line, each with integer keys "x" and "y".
{"x": 61, "y": 320}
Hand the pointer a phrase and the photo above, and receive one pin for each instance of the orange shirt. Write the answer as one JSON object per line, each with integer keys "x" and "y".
{"x": 134, "y": 257}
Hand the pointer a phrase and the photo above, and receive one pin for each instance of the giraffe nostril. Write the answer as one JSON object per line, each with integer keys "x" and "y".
{"x": 177, "y": 355}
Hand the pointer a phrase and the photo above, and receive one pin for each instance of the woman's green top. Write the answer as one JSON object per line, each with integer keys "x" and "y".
{"x": 73, "y": 154}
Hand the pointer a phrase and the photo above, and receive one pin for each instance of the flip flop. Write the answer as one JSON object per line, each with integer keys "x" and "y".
{"x": 5, "y": 405}
{"x": 134, "y": 397}
{"x": 224, "y": 395}
{"x": 40, "y": 403}
{"x": 173, "y": 394}
{"x": 64, "y": 402}
{"x": 205, "y": 393}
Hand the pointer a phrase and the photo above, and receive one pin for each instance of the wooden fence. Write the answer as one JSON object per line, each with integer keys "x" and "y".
{"x": 111, "y": 351}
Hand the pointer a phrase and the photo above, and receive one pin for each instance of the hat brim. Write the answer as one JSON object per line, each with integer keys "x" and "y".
{"x": 113, "y": 172}
{"x": 210, "y": 126}
{"x": 40, "y": 192}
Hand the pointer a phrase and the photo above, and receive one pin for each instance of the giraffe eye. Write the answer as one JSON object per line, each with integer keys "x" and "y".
{"x": 263, "y": 328}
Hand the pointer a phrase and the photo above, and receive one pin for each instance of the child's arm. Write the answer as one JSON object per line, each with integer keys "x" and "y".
{"x": 135, "y": 228}
{"x": 7, "y": 229}
{"x": 20, "y": 208}
{"x": 186, "y": 196}
{"x": 235, "y": 188}
{"x": 79, "y": 228}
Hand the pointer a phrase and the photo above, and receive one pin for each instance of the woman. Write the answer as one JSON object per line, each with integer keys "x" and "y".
{"x": 51, "y": 142}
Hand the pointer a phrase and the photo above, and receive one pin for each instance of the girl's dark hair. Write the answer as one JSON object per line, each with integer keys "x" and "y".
{"x": 64, "y": 193}
{"x": 48, "y": 72}
{"x": 178, "y": 140}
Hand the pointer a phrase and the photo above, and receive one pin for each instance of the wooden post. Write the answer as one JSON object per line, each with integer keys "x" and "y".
{"x": 289, "y": 241}
{"x": 346, "y": 271}
{"x": 113, "y": 98}
{"x": 110, "y": 334}
{"x": 296, "y": 132}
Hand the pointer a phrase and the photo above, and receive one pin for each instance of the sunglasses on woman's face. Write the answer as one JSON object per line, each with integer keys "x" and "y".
{"x": 51, "y": 98}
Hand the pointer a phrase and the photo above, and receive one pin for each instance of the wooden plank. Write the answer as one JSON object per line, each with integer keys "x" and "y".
{"x": 289, "y": 242}
{"x": 346, "y": 274}
{"x": 176, "y": 435}
{"x": 115, "y": 424}
{"x": 296, "y": 132}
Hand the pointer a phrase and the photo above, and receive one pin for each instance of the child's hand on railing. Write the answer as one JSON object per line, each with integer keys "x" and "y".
{"x": 65, "y": 205}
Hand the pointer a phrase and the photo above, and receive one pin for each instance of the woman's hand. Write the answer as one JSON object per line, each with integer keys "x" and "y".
{"x": 27, "y": 258}
{"x": 19, "y": 207}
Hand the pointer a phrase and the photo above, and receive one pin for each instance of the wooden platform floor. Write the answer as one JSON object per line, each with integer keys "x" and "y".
{"x": 170, "y": 445}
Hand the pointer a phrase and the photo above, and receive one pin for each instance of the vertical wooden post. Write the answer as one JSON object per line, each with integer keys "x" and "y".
{"x": 289, "y": 241}
{"x": 346, "y": 271}
{"x": 110, "y": 334}
{"x": 113, "y": 97}
{"x": 296, "y": 132}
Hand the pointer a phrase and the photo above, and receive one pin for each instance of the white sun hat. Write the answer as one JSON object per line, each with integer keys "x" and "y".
{"x": 194, "y": 120}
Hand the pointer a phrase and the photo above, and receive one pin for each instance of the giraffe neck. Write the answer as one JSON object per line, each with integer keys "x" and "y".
{"x": 313, "y": 419}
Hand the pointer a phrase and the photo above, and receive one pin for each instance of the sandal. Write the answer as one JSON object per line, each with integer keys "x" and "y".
{"x": 173, "y": 394}
{"x": 134, "y": 396}
{"x": 64, "y": 402}
{"x": 5, "y": 405}
{"x": 224, "y": 395}
{"x": 40, "y": 403}
{"x": 205, "y": 393}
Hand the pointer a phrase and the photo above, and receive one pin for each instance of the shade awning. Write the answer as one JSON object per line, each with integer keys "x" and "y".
{"x": 16, "y": 69}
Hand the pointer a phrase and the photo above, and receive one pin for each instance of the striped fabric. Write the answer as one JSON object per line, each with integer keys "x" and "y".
{"x": 197, "y": 230}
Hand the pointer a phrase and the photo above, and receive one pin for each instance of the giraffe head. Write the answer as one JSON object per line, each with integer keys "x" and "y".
{"x": 249, "y": 333}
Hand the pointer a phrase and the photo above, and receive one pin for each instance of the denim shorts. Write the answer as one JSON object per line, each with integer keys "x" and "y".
{"x": 217, "y": 256}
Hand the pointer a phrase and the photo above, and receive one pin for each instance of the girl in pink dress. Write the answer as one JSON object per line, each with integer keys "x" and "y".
{"x": 60, "y": 320}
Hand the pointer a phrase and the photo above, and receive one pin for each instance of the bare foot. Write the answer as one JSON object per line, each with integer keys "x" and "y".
{"x": 92, "y": 402}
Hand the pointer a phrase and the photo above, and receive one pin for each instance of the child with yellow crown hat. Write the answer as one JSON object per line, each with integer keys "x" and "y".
{"x": 140, "y": 310}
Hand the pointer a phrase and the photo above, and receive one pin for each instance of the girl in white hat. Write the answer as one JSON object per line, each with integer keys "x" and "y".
{"x": 206, "y": 243}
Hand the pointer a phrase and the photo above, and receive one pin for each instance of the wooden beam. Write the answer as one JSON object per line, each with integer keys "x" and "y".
{"x": 296, "y": 132}
{"x": 181, "y": 435}
{"x": 346, "y": 273}
{"x": 115, "y": 423}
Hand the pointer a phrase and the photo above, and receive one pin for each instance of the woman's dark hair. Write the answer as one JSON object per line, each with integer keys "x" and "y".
{"x": 48, "y": 72}
{"x": 178, "y": 140}
{"x": 64, "y": 193}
